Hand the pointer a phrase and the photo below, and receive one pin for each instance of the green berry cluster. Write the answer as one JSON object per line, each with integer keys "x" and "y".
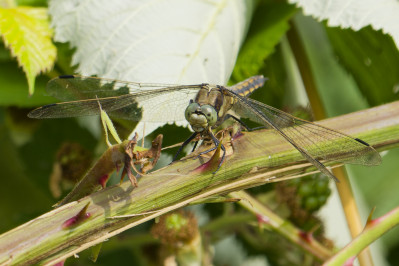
{"x": 312, "y": 191}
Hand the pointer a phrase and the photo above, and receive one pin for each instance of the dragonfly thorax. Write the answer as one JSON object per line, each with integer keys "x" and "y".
{"x": 200, "y": 117}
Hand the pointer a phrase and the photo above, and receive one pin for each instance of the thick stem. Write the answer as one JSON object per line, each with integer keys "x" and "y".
{"x": 45, "y": 240}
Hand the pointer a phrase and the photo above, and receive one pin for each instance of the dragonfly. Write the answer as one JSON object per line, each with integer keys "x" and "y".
{"x": 208, "y": 106}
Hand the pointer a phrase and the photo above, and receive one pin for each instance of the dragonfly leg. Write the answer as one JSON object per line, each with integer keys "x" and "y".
{"x": 204, "y": 152}
{"x": 195, "y": 146}
{"x": 187, "y": 141}
{"x": 216, "y": 141}
{"x": 242, "y": 122}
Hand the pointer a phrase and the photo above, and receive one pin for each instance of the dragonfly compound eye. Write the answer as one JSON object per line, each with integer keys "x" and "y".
{"x": 210, "y": 114}
{"x": 191, "y": 108}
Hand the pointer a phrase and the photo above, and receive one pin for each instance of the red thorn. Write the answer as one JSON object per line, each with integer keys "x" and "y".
{"x": 74, "y": 221}
{"x": 262, "y": 219}
{"x": 77, "y": 219}
{"x": 370, "y": 220}
{"x": 307, "y": 237}
{"x": 61, "y": 263}
{"x": 209, "y": 165}
{"x": 350, "y": 261}
{"x": 103, "y": 180}
{"x": 213, "y": 163}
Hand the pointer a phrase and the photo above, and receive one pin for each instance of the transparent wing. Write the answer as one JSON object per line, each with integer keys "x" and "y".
{"x": 127, "y": 100}
{"x": 314, "y": 141}
{"x": 72, "y": 87}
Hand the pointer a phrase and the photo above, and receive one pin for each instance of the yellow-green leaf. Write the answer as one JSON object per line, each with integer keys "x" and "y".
{"x": 26, "y": 32}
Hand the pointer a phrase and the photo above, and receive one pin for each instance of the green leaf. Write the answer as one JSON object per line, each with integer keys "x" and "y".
{"x": 270, "y": 22}
{"x": 355, "y": 14}
{"x": 372, "y": 59}
{"x": 338, "y": 90}
{"x": 203, "y": 50}
{"x": 26, "y": 32}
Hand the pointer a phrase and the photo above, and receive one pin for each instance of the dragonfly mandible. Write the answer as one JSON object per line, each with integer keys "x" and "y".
{"x": 208, "y": 106}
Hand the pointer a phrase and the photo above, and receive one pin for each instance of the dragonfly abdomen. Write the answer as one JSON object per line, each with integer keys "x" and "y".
{"x": 246, "y": 87}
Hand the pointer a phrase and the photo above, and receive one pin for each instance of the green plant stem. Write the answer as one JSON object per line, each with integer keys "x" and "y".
{"x": 374, "y": 229}
{"x": 344, "y": 188}
{"x": 43, "y": 239}
{"x": 283, "y": 227}
{"x": 228, "y": 221}
{"x": 307, "y": 76}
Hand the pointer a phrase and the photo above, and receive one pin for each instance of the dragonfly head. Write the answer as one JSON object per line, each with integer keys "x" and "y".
{"x": 200, "y": 117}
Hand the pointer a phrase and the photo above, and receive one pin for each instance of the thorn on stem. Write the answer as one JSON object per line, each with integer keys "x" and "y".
{"x": 350, "y": 261}
{"x": 262, "y": 219}
{"x": 307, "y": 237}
{"x": 212, "y": 164}
{"x": 370, "y": 220}
{"x": 103, "y": 180}
{"x": 77, "y": 219}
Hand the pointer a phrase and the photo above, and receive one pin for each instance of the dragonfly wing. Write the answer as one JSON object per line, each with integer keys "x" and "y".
{"x": 127, "y": 100}
{"x": 72, "y": 88}
{"x": 314, "y": 141}
{"x": 86, "y": 108}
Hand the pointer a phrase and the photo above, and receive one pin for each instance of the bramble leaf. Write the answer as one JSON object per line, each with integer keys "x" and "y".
{"x": 177, "y": 42}
{"x": 26, "y": 32}
{"x": 356, "y": 14}
{"x": 269, "y": 25}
